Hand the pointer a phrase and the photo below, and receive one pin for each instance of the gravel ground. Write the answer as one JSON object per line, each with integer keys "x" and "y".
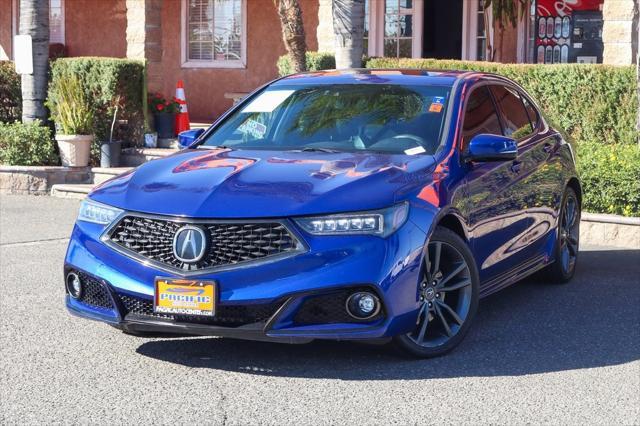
{"x": 537, "y": 354}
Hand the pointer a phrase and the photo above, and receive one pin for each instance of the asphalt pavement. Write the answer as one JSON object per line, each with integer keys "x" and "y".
{"x": 538, "y": 353}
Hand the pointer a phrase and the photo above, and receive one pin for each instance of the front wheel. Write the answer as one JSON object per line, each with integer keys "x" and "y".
{"x": 447, "y": 294}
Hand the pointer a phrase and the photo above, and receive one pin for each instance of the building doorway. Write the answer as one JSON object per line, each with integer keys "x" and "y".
{"x": 442, "y": 29}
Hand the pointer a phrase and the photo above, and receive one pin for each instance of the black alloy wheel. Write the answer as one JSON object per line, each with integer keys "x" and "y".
{"x": 568, "y": 242}
{"x": 447, "y": 297}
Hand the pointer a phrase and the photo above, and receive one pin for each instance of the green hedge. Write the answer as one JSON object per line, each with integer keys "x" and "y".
{"x": 315, "y": 61}
{"x": 27, "y": 145}
{"x": 104, "y": 81}
{"x": 610, "y": 177}
{"x": 10, "y": 94}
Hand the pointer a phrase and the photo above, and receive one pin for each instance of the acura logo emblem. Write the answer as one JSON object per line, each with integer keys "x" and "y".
{"x": 190, "y": 244}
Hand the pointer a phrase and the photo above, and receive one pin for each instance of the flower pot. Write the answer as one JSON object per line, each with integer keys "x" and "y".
{"x": 110, "y": 153}
{"x": 165, "y": 125}
{"x": 74, "y": 149}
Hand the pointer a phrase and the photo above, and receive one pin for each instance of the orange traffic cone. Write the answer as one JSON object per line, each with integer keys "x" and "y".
{"x": 182, "y": 117}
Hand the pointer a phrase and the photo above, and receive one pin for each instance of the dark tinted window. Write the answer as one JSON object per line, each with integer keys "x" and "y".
{"x": 531, "y": 111}
{"x": 516, "y": 121}
{"x": 480, "y": 116}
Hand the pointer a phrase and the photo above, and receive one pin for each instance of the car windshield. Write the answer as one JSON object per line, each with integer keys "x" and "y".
{"x": 349, "y": 117}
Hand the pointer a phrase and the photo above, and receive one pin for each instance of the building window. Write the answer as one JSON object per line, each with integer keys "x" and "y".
{"x": 214, "y": 33}
{"x": 481, "y": 36}
{"x": 56, "y": 21}
{"x": 398, "y": 28}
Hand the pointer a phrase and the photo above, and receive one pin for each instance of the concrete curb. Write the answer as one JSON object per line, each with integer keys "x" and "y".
{"x": 610, "y": 230}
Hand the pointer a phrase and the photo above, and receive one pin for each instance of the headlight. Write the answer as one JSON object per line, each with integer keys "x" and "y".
{"x": 90, "y": 211}
{"x": 378, "y": 222}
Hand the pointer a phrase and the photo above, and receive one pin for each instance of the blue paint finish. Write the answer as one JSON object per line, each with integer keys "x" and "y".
{"x": 508, "y": 218}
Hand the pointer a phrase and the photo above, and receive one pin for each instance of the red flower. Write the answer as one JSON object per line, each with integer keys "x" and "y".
{"x": 159, "y": 107}
{"x": 158, "y": 96}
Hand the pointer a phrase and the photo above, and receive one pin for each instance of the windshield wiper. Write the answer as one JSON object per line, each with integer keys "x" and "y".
{"x": 318, "y": 149}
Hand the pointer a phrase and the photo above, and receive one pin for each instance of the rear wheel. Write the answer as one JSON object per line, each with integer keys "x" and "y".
{"x": 568, "y": 242}
{"x": 448, "y": 297}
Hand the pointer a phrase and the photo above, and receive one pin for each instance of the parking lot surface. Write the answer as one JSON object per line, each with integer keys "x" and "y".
{"x": 537, "y": 353}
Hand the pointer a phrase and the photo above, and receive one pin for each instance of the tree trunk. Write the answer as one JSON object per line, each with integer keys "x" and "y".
{"x": 293, "y": 32}
{"x": 34, "y": 21}
{"x": 348, "y": 28}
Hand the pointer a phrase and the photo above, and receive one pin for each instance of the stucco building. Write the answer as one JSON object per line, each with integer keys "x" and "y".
{"x": 224, "y": 47}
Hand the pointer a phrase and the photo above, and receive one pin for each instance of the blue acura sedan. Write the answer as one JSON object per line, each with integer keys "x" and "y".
{"x": 359, "y": 205}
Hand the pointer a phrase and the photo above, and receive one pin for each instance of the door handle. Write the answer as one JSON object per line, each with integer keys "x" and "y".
{"x": 515, "y": 167}
{"x": 547, "y": 147}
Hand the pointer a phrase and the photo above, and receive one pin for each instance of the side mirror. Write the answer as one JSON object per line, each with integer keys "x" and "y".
{"x": 187, "y": 137}
{"x": 485, "y": 147}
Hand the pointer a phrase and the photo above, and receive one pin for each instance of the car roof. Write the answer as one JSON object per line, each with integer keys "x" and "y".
{"x": 416, "y": 77}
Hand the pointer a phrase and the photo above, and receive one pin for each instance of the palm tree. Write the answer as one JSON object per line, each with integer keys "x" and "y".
{"x": 34, "y": 21}
{"x": 504, "y": 12}
{"x": 348, "y": 29}
{"x": 293, "y": 32}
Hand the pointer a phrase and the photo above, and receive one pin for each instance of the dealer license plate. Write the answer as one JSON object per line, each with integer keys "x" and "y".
{"x": 185, "y": 297}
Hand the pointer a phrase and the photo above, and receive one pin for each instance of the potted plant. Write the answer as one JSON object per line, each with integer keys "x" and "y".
{"x": 73, "y": 118}
{"x": 164, "y": 115}
{"x": 110, "y": 149}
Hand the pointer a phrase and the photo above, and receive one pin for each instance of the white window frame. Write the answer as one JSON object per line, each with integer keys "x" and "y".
{"x": 376, "y": 28}
{"x": 470, "y": 30}
{"x": 62, "y": 23}
{"x": 184, "y": 48}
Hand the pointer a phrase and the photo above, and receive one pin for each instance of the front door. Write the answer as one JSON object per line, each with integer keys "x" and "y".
{"x": 490, "y": 209}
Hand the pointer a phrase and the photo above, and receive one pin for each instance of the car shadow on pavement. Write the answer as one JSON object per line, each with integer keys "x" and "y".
{"x": 528, "y": 328}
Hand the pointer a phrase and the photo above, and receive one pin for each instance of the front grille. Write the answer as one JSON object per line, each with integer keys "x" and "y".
{"x": 229, "y": 243}
{"x": 225, "y": 315}
{"x": 330, "y": 308}
{"x": 94, "y": 292}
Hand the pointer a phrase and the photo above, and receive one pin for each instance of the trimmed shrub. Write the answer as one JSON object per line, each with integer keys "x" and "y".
{"x": 610, "y": 177}
{"x": 315, "y": 61}
{"x": 593, "y": 103}
{"x": 10, "y": 94}
{"x": 107, "y": 82}
{"x": 27, "y": 145}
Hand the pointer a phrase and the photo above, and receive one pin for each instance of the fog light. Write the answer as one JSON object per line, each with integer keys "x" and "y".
{"x": 74, "y": 285}
{"x": 363, "y": 305}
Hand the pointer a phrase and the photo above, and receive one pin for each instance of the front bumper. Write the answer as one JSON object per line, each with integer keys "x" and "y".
{"x": 333, "y": 265}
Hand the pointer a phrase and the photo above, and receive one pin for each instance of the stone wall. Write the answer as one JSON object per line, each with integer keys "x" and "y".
{"x": 144, "y": 37}
{"x": 620, "y": 32}
{"x": 38, "y": 180}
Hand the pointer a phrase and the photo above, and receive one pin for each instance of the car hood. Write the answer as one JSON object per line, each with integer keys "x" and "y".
{"x": 224, "y": 183}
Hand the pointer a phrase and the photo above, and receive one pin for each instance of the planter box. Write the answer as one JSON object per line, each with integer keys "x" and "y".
{"x": 37, "y": 180}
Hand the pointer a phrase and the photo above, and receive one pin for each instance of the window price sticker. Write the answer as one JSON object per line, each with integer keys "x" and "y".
{"x": 437, "y": 104}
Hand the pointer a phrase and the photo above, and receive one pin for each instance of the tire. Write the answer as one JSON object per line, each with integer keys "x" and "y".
{"x": 568, "y": 241}
{"x": 438, "y": 271}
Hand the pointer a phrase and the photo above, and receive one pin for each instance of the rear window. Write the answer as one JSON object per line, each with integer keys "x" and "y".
{"x": 342, "y": 117}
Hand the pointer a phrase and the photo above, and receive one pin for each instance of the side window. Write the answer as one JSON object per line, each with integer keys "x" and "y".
{"x": 532, "y": 112}
{"x": 516, "y": 120}
{"x": 480, "y": 116}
